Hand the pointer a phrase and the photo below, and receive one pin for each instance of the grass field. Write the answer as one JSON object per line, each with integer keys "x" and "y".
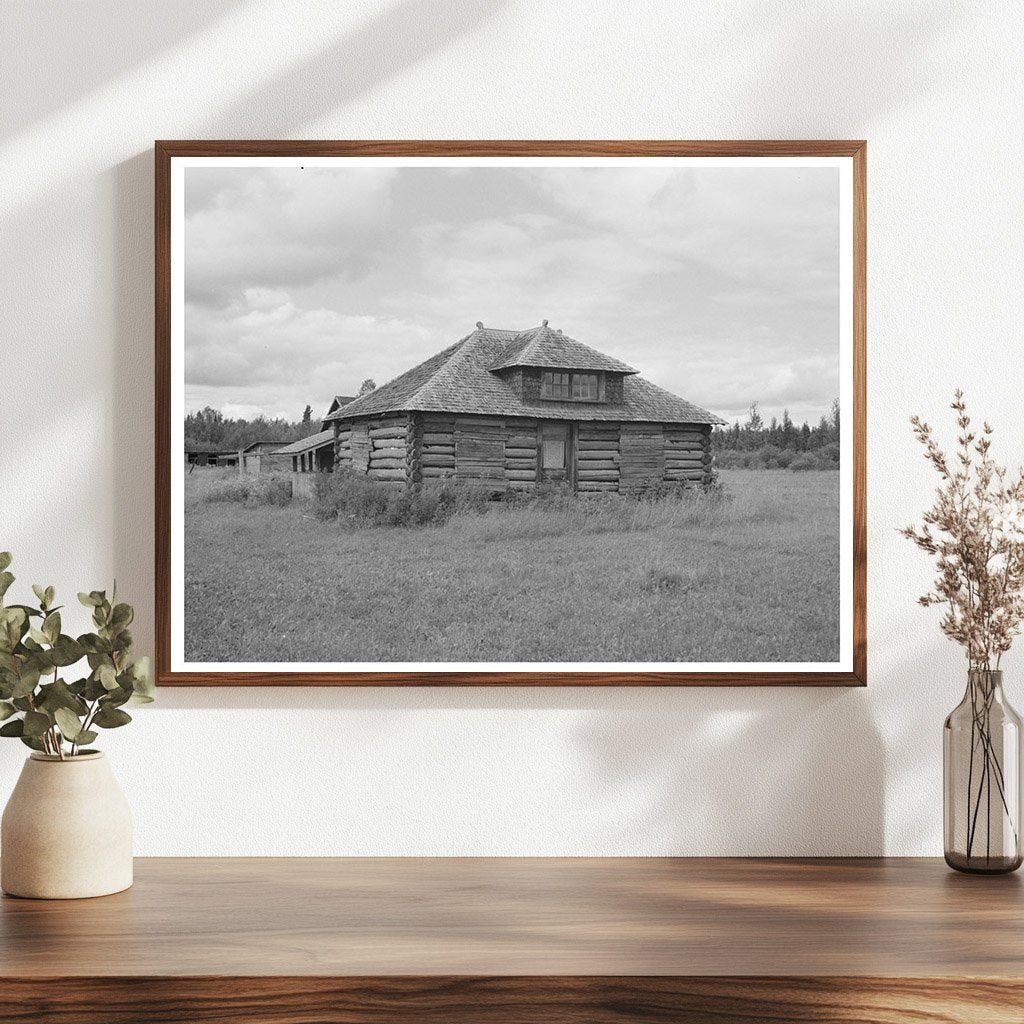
{"x": 754, "y": 579}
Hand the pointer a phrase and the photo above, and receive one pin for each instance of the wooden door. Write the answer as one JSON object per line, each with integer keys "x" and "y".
{"x": 558, "y": 453}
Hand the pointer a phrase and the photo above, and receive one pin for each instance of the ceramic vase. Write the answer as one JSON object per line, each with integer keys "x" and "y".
{"x": 66, "y": 831}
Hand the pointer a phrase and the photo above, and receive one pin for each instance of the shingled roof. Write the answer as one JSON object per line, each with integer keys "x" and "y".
{"x": 463, "y": 379}
{"x": 306, "y": 444}
{"x": 542, "y": 346}
{"x": 339, "y": 401}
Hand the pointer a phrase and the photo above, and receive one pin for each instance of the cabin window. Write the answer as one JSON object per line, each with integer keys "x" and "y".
{"x": 570, "y": 387}
{"x": 554, "y": 385}
{"x": 584, "y": 387}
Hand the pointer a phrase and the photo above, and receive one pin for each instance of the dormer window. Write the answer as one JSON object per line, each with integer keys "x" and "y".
{"x": 554, "y": 385}
{"x": 570, "y": 387}
{"x": 585, "y": 387}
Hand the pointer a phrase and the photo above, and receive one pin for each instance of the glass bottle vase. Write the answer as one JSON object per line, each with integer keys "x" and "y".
{"x": 981, "y": 771}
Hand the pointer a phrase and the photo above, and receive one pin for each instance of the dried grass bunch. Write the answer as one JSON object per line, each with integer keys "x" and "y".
{"x": 975, "y": 529}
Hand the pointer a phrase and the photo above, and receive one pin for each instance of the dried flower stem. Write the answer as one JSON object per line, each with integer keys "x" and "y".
{"x": 975, "y": 531}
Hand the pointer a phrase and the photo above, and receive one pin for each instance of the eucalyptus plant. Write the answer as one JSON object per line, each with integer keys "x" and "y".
{"x": 37, "y": 704}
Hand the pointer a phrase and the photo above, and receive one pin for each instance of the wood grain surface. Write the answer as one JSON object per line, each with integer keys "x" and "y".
{"x": 504, "y": 940}
{"x": 165, "y": 150}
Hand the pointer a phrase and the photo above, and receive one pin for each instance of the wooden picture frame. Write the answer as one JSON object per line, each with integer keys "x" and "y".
{"x": 851, "y": 154}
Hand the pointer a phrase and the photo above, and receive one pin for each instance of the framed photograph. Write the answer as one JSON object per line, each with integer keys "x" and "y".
{"x": 510, "y": 413}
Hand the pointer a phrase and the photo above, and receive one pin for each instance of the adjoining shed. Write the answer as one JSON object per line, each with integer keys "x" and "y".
{"x": 523, "y": 408}
{"x": 314, "y": 454}
{"x": 207, "y": 453}
{"x": 263, "y": 457}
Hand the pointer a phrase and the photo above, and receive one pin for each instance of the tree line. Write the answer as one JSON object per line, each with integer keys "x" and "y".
{"x": 778, "y": 444}
{"x": 210, "y": 428}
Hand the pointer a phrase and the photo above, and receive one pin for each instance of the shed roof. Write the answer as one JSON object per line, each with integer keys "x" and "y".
{"x": 461, "y": 379}
{"x": 308, "y": 444}
{"x": 249, "y": 447}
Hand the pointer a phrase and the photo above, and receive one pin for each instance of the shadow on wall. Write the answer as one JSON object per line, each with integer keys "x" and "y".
{"x": 693, "y": 771}
{"x": 55, "y": 42}
{"x": 738, "y": 771}
{"x": 394, "y": 39}
{"x": 842, "y": 84}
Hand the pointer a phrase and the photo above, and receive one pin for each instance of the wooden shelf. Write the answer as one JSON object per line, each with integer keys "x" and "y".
{"x": 577, "y": 941}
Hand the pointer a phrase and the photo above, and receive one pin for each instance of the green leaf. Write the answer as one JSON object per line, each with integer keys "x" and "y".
{"x": 31, "y": 741}
{"x": 13, "y": 728}
{"x": 38, "y": 635}
{"x": 142, "y": 682}
{"x": 27, "y": 682}
{"x": 51, "y": 626}
{"x": 94, "y": 689}
{"x": 40, "y": 592}
{"x": 6, "y": 710}
{"x": 36, "y": 723}
{"x": 13, "y": 624}
{"x": 87, "y": 641}
{"x": 94, "y": 645}
{"x": 89, "y": 600}
{"x": 107, "y": 676}
{"x": 6, "y": 579}
{"x": 69, "y": 724}
{"x": 115, "y": 698}
{"x": 50, "y": 595}
{"x": 122, "y": 616}
{"x": 5, "y": 560}
{"x": 59, "y": 695}
{"x": 29, "y": 611}
{"x": 66, "y": 651}
{"x": 109, "y": 717}
{"x": 86, "y": 736}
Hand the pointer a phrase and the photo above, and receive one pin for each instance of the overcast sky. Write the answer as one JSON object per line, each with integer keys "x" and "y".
{"x": 721, "y": 285}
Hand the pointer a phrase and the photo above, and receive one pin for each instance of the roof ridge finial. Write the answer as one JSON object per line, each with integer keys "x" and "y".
{"x": 543, "y": 323}
{"x": 480, "y": 324}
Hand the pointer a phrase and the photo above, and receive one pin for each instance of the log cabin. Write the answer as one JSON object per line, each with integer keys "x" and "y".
{"x": 519, "y": 409}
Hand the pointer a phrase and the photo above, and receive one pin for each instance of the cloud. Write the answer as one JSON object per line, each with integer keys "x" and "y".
{"x": 255, "y": 353}
{"x": 281, "y": 228}
{"x": 720, "y": 284}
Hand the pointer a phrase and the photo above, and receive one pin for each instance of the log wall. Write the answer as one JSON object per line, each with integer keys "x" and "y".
{"x": 389, "y": 453}
{"x": 521, "y": 453}
{"x": 479, "y": 448}
{"x": 642, "y": 456}
{"x": 609, "y": 456}
{"x": 437, "y": 447}
{"x": 685, "y": 451}
{"x": 598, "y": 457}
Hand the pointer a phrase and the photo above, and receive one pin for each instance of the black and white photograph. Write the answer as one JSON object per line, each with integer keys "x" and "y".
{"x": 511, "y": 414}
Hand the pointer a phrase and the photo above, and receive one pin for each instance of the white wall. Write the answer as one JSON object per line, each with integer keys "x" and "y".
{"x": 937, "y": 89}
